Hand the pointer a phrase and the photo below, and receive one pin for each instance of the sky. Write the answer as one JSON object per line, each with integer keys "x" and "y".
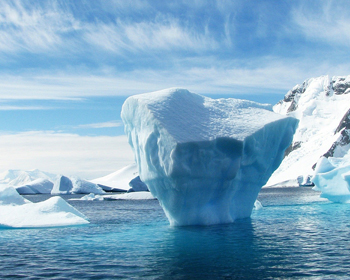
{"x": 66, "y": 67}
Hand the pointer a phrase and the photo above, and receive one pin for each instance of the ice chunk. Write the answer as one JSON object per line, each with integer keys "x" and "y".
{"x": 38, "y": 186}
{"x": 205, "y": 160}
{"x": 17, "y": 212}
{"x": 130, "y": 196}
{"x": 332, "y": 178}
{"x": 136, "y": 185}
{"x": 65, "y": 185}
{"x": 92, "y": 197}
{"x": 258, "y": 205}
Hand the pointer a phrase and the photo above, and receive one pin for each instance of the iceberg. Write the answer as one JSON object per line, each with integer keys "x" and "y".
{"x": 18, "y": 212}
{"x": 118, "y": 181}
{"x": 65, "y": 185}
{"x": 204, "y": 159}
{"x": 38, "y": 186}
{"x": 332, "y": 178}
{"x": 136, "y": 185}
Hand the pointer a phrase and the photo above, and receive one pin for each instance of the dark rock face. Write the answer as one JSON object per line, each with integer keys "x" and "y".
{"x": 292, "y": 94}
{"x": 339, "y": 86}
{"x": 344, "y": 123}
{"x": 344, "y": 138}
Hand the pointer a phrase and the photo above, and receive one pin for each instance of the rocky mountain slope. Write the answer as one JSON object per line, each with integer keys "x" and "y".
{"x": 322, "y": 106}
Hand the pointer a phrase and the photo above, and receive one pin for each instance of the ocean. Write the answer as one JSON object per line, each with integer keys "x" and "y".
{"x": 296, "y": 235}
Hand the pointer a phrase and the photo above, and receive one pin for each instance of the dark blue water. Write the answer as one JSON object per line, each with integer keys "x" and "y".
{"x": 296, "y": 235}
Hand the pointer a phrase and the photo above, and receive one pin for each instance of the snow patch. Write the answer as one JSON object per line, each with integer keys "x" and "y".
{"x": 17, "y": 212}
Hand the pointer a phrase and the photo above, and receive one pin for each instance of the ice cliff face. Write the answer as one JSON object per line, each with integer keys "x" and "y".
{"x": 322, "y": 106}
{"x": 205, "y": 160}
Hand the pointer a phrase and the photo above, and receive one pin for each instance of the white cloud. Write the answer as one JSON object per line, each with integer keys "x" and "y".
{"x": 69, "y": 154}
{"x": 33, "y": 28}
{"x": 22, "y": 108}
{"x": 168, "y": 34}
{"x": 101, "y": 125}
{"x": 330, "y": 22}
{"x": 263, "y": 75}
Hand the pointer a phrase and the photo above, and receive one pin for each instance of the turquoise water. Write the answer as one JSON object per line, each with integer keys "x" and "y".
{"x": 296, "y": 235}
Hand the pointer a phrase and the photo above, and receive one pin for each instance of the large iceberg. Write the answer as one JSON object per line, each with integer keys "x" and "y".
{"x": 17, "y": 212}
{"x": 204, "y": 159}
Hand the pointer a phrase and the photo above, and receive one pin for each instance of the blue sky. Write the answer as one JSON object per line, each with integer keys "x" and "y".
{"x": 67, "y": 66}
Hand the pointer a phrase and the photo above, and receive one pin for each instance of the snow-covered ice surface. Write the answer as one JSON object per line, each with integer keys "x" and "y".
{"x": 17, "y": 212}
{"x": 205, "y": 160}
{"x": 119, "y": 180}
{"x": 38, "y": 186}
{"x": 65, "y": 185}
{"x": 320, "y": 104}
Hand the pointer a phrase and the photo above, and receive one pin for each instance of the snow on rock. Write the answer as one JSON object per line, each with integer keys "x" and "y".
{"x": 322, "y": 107}
{"x": 17, "y": 212}
{"x": 119, "y": 180}
{"x": 204, "y": 159}
{"x": 65, "y": 185}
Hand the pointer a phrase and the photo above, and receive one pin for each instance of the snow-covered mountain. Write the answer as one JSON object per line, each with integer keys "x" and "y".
{"x": 21, "y": 177}
{"x": 322, "y": 106}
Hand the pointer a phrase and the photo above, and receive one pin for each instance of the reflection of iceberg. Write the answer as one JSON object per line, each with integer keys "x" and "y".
{"x": 17, "y": 212}
{"x": 205, "y": 160}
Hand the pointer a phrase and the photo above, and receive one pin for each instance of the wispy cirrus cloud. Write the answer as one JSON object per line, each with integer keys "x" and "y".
{"x": 22, "y": 108}
{"x": 109, "y": 124}
{"x": 326, "y": 21}
{"x": 34, "y": 28}
{"x": 168, "y": 35}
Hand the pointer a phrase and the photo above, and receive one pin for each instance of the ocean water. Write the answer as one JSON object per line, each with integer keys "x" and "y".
{"x": 296, "y": 235}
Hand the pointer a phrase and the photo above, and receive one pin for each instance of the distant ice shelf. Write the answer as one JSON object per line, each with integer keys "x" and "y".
{"x": 205, "y": 160}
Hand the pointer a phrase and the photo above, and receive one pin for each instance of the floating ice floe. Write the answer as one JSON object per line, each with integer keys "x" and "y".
{"x": 17, "y": 212}
{"x": 332, "y": 178}
{"x": 205, "y": 160}
{"x": 141, "y": 195}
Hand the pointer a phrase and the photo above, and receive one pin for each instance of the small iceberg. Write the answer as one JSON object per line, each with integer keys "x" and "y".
{"x": 18, "y": 212}
{"x": 332, "y": 178}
